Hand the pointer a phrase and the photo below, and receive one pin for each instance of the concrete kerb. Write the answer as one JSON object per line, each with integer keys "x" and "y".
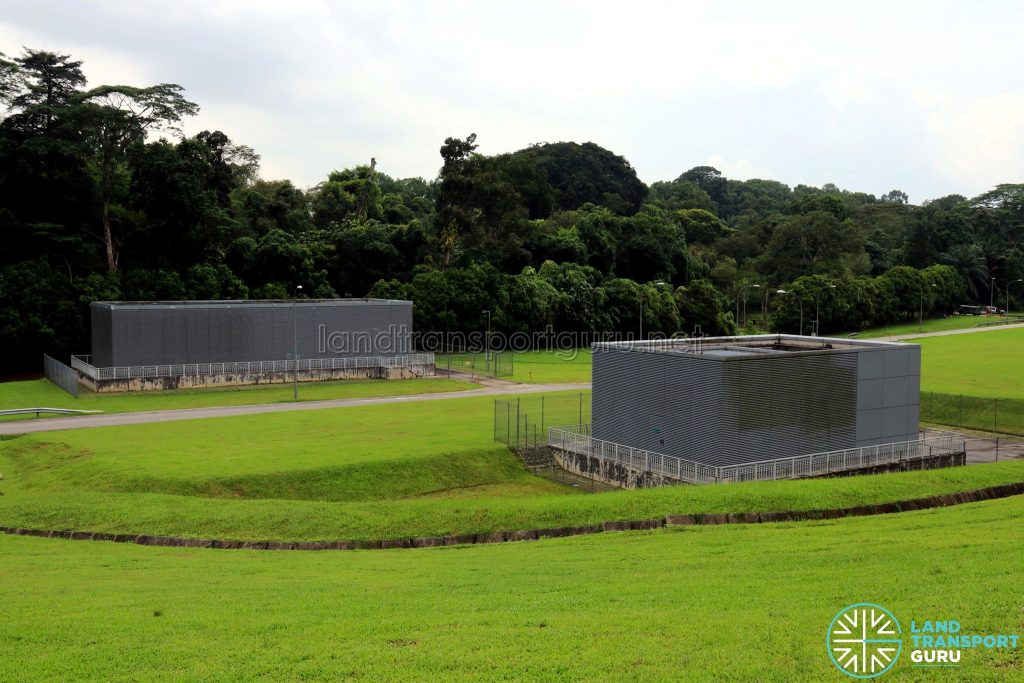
{"x": 707, "y": 518}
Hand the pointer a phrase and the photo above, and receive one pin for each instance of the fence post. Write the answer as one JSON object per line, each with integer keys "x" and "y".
{"x": 518, "y": 419}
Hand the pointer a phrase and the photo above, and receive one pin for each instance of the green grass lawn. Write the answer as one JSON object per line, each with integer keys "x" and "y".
{"x": 43, "y": 393}
{"x": 953, "y": 322}
{"x": 736, "y": 603}
{"x": 367, "y": 472}
{"x": 988, "y": 364}
{"x": 552, "y": 367}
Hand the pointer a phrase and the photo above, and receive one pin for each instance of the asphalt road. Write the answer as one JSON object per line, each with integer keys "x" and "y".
{"x": 53, "y": 424}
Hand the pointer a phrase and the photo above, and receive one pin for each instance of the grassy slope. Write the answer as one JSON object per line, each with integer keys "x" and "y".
{"x": 42, "y": 393}
{"x": 404, "y": 470}
{"x": 739, "y": 603}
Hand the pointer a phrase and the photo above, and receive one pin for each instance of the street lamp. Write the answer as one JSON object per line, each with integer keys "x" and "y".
{"x": 640, "y": 297}
{"x": 487, "y": 341}
{"x": 1006, "y": 313}
{"x": 739, "y": 291}
{"x": 295, "y": 343}
{"x": 817, "y": 310}
{"x": 920, "y": 313}
{"x": 801, "y": 301}
{"x": 992, "y": 294}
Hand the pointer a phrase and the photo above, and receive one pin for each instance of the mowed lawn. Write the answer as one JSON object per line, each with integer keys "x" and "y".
{"x": 552, "y": 367}
{"x": 952, "y": 322}
{"x": 737, "y": 603}
{"x": 43, "y": 393}
{"x": 987, "y": 364}
{"x": 367, "y": 472}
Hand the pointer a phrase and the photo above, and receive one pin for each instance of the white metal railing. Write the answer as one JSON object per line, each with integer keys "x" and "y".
{"x": 577, "y": 439}
{"x": 83, "y": 364}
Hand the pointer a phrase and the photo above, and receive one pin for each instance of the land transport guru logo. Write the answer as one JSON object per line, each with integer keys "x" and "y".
{"x": 864, "y": 640}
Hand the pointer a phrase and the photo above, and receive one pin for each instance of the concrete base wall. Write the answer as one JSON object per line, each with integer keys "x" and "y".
{"x": 625, "y": 477}
{"x": 609, "y": 472}
{"x": 239, "y": 379}
{"x": 928, "y": 462}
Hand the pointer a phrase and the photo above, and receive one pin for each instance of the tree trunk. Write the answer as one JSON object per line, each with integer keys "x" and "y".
{"x": 108, "y": 238}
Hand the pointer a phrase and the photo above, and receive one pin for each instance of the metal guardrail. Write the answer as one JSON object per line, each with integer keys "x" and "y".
{"x": 84, "y": 365}
{"x": 577, "y": 439}
{"x": 57, "y": 411}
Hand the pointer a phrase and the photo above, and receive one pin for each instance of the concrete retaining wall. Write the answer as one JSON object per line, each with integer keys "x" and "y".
{"x": 609, "y": 472}
{"x": 243, "y": 378}
{"x": 625, "y": 477}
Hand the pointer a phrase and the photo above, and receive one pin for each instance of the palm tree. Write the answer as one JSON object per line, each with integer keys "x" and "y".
{"x": 969, "y": 261}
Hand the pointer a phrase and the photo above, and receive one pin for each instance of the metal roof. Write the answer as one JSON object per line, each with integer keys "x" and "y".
{"x": 751, "y": 346}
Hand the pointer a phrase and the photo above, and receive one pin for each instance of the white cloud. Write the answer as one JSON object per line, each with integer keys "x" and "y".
{"x": 921, "y": 96}
{"x": 741, "y": 169}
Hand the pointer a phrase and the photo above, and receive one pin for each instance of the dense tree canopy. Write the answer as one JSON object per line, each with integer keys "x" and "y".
{"x": 102, "y": 197}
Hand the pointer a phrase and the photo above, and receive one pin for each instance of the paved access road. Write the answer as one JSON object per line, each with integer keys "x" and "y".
{"x": 53, "y": 424}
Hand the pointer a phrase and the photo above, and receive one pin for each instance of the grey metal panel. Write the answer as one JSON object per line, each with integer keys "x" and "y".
{"x": 124, "y": 333}
{"x": 913, "y": 419}
{"x": 175, "y": 337}
{"x": 871, "y": 364}
{"x": 894, "y": 391}
{"x": 869, "y": 426}
{"x": 897, "y": 362}
{"x": 725, "y": 412}
{"x": 216, "y": 331}
{"x": 869, "y": 394}
{"x": 102, "y": 340}
{"x": 894, "y": 423}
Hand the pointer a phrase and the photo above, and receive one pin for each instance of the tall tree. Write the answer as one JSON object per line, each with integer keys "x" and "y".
{"x": 118, "y": 117}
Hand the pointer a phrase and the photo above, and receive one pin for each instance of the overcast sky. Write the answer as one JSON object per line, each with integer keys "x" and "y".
{"x": 925, "y": 97}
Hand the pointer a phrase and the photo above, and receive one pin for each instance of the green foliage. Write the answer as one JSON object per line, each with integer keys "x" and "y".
{"x": 556, "y": 234}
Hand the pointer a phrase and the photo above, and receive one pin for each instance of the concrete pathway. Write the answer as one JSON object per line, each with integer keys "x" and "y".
{"x": 113, "y": 419}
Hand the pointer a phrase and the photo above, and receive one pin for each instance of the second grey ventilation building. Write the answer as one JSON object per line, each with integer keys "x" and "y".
{"x": 733, "y": 400}
{"x": 147, "y": 333}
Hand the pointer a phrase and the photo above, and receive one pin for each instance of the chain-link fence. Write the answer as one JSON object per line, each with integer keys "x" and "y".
{"x": 522, "y": 423}
{"x": 60, "y": 374}
{"x": 999, "y": 415}
{"x": 493, "y": 364}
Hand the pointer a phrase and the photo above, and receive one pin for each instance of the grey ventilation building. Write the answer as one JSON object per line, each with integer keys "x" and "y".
{"x": 134, "y": 333}
{"x": 731, "y": 400}
{"x": 152, "y": 345}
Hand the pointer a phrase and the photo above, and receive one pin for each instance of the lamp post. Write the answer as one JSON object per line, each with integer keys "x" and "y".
{"x": 992, "y": 294}
{"x": 739, "y": 291}
{"x": 801, "y": 301}
{"x": 640, "y": 297}
{"x": 920, "y": 313}
{"x": 295, "y": 343}
{"x": 1006, "y": 313}
{"x": 487, "y": 341}
{"x": 817, "y": 310}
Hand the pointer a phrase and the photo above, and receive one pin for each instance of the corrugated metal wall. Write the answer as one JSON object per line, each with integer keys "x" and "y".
{"x": 102, "y": 341}
{"x": 722, "y": 412}
{"x": 216, "y": 332}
